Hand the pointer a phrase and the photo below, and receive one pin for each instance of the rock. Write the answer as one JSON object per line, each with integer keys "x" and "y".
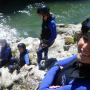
{"x": 6, "y": 79}
{"x": 57, "y": 47}
{"x": 73, "y": 49}
{"x": 28, "y": 78}
{"x": 61, "y": 25}
{"x": 33, "y": 57}
{"x": 68, "y": 29}
{"x": 31, "y": 43}
{"x": 66, "y": 47}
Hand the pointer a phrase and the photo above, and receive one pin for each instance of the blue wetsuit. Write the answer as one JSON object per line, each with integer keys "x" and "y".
{"x": 76, "y": 84}
{"x": 5, "y": 56}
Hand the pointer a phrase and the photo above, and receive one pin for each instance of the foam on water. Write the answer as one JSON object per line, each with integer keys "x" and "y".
{"x": 10, "y": 34}
{"x": 27, "y": 10}
{"x": 6, "y": 32}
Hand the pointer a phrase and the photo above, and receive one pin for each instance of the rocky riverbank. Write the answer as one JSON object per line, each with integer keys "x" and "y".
{"x": 30, "y": 77}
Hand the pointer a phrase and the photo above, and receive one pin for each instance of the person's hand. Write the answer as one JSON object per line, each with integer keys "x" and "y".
{"x": 44, "y": 45}
{"x": 53, "y": 87}
{"x": 41, "y": 41}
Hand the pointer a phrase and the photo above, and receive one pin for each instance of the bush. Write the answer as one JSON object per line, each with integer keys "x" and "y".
{"x": 69, "y": 40}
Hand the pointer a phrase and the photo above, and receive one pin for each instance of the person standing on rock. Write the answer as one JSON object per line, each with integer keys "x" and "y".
{"x": 48, "y": 34}
{"x": 24, "y": 55}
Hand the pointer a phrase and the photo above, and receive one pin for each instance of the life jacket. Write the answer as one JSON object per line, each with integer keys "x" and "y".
{"x": 74, "y": 70}
{"x": 81, "y": 71}
{"x": 64, "y": 76}
{"x": 22, "y": 58}
{"x": 46, "y": 32}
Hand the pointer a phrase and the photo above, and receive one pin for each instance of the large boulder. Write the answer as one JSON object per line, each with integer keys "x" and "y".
{"x": 69, "y": 29}
{"x": 28, "y": 78}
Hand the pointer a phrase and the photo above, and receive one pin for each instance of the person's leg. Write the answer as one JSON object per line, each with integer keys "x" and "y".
{"x": 46, "y": 50}
{"x": 39, "y": 55}
{"x": 46, "y": 53}
{"x": 13, "y": 64}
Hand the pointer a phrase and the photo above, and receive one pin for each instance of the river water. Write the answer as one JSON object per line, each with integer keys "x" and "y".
{"x": 28, "y": 23}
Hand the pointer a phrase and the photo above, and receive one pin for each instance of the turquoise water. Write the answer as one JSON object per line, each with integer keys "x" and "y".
{"x": 28, "y": 23}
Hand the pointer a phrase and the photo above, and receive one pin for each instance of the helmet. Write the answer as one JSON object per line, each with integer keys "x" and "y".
{"x": 43, "y": 10}
{"x": 85, "y": 26}
{"x": 21, "y": 45}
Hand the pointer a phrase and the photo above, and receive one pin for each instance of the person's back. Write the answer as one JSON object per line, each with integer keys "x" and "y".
{"x": 5, "y": 53}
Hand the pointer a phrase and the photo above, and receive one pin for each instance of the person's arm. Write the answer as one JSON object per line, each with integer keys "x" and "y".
{"x": 67, "y": 61}
{"x": 52, "y": 27}
{"x": 27, "y": 59}
{"x": 47, "y": 82}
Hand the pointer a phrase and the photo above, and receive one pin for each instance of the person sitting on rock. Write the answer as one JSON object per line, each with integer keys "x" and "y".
{"x": 24, "y": 55}
{"x": 6, "y": 56}
{"x": 48, "y": 34}
{"x": 5, "y": 53}
{"x": 80, "y": 75}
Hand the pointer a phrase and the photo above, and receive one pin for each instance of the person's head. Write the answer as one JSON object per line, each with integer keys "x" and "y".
{"x": 3, "y": 43}
{"x": 43, "y": 11}
{"x": 84, "y": 42}
{"x": 21, "y": 47}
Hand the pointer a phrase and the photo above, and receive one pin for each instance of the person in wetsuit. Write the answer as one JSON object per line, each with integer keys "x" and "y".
{"x": 81, "y": 68}
{"x": 48, "y": 34}
{"x": 6, "y": 56}
{"x": 5, "y": 53}
{"x": 24, "y": 58}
